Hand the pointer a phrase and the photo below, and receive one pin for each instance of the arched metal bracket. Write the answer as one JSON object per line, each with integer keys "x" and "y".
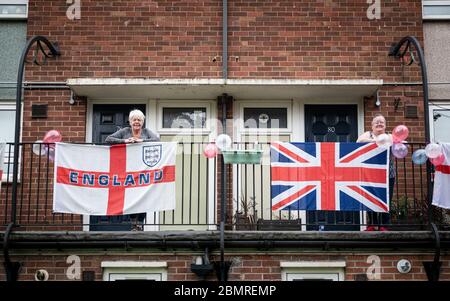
{"x": 397, "y": 51}
{"x": 11, "y": 268}
{"x": 433, "y": 268}
{"x": 39, "y": 41}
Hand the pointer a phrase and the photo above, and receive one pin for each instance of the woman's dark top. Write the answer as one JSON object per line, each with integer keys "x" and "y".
{"x": 121, "y": 135}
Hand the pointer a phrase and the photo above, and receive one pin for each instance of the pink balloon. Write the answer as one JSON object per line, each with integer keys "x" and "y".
{"x": 210, "y": 150}
{"x": 400, "y": 133}
{"x": 438, "y": 160}
{"x": 52, "y": 136}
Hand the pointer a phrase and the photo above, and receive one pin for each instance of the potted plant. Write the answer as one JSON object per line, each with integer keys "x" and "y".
{"x": 245, "y": 216}
{"x": 280, "y": 221}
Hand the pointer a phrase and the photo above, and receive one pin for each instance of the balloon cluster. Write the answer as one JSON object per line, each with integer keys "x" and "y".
{"x": 399, "y": 134}
{"x": 432, "y": 151}
{"x": 46, "y": 146}
{"x": 223, "y": 142}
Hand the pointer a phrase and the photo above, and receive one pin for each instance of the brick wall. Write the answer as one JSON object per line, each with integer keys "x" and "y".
{"x": 244, "y": 266}
{"x": 274, "y": 39}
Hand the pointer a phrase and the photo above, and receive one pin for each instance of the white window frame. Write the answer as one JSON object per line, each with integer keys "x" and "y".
{"x": 320, "y": 270}
{"x": 436, "y": 106}
{"x": 8, "y": 177}
{"x": 435, "y": 3}
{"x": 128, "y": 270}
{"x": 15, "y": 16}
{"x": 210, "y": 125}
{"x": 240, "y": 123}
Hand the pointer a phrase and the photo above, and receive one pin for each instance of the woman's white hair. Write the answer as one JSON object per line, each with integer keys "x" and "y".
{"x": 136, "y": 114}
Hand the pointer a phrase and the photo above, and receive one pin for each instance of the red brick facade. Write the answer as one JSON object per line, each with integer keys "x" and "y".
{"x": 179, "y": 39}
{"x": 244, "y": 266}
{"x": 284, "y": 40}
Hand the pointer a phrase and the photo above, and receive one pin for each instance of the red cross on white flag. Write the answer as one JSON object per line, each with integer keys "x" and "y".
{"x": 441, "y": 191}
{"x": 114, "y": 180}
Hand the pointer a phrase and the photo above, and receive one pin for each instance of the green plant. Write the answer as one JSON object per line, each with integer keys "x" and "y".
{"x": 246, "y": 213}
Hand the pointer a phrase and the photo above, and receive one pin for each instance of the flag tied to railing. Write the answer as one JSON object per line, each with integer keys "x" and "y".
{"x": 2, "y": 158}
{"x": 441, "y": 190}
{"x": 329, "y": 176}
{"x": 114, "y": 180}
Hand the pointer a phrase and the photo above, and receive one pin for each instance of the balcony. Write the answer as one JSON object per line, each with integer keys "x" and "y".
{"x": 248, "y": 203}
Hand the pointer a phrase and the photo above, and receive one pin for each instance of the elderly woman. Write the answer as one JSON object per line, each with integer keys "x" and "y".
{"x": 135, "y": 133}
{"x": 378, "y": 128}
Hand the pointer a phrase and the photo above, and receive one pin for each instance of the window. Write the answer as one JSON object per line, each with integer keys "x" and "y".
{"x": 7, "y": 124}
{"x": 184, "y": 118}
{"x": 313, "y": 270}
{"x": 14, "y": 9}
{"x": 265, "y": 118}
{"x": 134, "y": 270}
{"x": 440, "y": 122}
{"x": 435, "y": 10}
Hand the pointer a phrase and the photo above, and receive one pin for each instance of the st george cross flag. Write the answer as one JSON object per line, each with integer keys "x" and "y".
{"x": 2, "y": 158}
{"x": 441, "y": 190}
{"x": 329, "y": 176}
{"x": 114, "y": 180}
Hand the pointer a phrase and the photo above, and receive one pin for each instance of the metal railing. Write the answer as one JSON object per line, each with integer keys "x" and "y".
{"x": 249, "y": 200}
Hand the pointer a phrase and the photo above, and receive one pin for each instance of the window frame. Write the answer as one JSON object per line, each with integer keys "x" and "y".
{"x": 328, "y": 269}
{"x": 133, "y": 268}
{"x": 239, "y": 119}
{"x": 434, "y": 3}
{"x": 8, "y": 177}
{"x": 435, "y": 105}
{"x": 185, "y": 104}
{"x": 15, "y": 16}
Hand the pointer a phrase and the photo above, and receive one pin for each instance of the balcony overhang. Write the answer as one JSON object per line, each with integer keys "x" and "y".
{"x": 198, "y": 89}
{"x": 266, "y": 240}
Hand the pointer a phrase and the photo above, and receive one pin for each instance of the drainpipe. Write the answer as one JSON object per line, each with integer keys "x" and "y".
{"x": 222, "y": 269}
{"x": 223, "y": 197}
{"x": 225, "y": 40}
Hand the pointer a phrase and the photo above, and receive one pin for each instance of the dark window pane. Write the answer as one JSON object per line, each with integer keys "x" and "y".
{"x": 265, "y": 118}
{"x": 174, "y": 118}
{"x": 107, "y": 119}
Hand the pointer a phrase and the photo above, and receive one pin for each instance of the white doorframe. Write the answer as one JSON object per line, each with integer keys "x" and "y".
{"x": 210, "y": 130}
{"x": 239, "y": 130}
{"x": 88, "y": 134}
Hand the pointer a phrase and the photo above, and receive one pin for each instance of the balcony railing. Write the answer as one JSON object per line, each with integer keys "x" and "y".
{"x": 198, "y": 198}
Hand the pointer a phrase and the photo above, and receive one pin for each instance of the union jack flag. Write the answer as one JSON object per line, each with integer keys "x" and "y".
{"x": 329, "y": 176}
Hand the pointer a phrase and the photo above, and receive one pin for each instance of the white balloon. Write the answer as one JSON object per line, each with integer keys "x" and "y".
{"x": 433, "y": 150}
{"x": 223, "y": 142}
{"x": 38, "y": 145}
{"x": 384, "y": 140}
